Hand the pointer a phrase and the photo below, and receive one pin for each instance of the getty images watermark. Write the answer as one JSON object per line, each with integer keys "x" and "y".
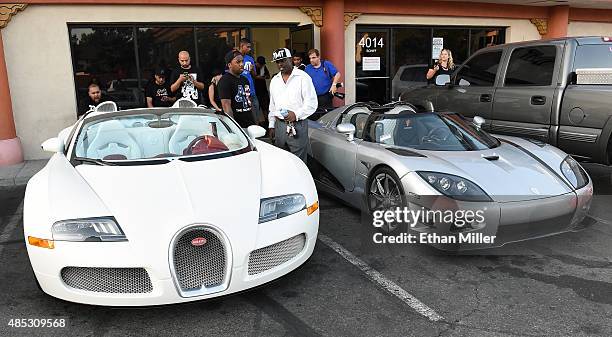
{"x": 464, "y": 223}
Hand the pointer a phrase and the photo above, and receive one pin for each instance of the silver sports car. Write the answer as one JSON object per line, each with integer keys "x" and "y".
{"x": 383, "y": 157}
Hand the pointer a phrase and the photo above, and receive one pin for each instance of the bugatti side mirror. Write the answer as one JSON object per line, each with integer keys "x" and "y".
{"x": 256, "y": 131}
{"x": 348, "y": 129}
{"x": 53, "y": 145}
{"x": 442, "y": 79}
{"x": 478, "y": 122}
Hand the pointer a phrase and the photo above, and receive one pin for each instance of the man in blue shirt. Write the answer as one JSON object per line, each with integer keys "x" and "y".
{"x": 324, "y": 76}
{"x": 249, "y": 72}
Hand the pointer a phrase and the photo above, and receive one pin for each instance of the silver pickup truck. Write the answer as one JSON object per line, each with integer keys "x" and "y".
{"x": 557, "y": 91}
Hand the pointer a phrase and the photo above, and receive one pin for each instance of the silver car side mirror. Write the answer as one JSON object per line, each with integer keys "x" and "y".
{"x": 348, "y": 129}
{"x": 478, "y": 122}
{"x": 442, "y": 79}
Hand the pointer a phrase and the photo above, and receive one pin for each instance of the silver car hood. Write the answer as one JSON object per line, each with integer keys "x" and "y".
{"x": 514, "y": 176}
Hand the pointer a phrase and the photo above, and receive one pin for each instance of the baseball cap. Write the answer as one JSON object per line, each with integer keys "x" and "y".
{"x": 231, "y": 55}
{"x": 281, "y": 53}
{"x": 160, "y": 72}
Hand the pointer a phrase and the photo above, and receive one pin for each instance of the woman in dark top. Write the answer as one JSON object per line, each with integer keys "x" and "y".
{"x": 444, "y": 65}
{"x": 213, "y": 92}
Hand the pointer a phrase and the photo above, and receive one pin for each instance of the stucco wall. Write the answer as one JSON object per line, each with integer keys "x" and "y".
{"x": 39, "y": 65}
{"x": 577, "y": 28}
{"x": 518, "y": 30}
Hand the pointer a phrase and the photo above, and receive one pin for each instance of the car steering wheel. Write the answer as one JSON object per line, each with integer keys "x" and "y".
{"x": 434, "y": 136}
{"x": 213, "y": 144}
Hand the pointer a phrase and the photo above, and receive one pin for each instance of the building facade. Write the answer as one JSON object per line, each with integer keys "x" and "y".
{"x": 51, "y": 50}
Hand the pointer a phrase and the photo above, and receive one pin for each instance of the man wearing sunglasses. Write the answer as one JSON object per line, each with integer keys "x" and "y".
{"x": 292, "y": 100}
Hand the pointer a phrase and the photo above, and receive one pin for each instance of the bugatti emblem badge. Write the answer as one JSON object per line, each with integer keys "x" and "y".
{"x": 198, "y": 242}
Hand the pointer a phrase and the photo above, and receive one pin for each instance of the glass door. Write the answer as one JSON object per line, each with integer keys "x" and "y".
{"x": 302, "y": 38}
{"x": 372, "y": 64}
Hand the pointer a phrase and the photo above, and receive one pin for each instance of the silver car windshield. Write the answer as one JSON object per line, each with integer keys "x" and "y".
{"x": 430, "y": 131}
{"x": 148, "y": 136}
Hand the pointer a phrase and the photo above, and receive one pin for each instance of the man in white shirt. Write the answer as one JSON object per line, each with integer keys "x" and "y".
{"x": 292, "y": 100}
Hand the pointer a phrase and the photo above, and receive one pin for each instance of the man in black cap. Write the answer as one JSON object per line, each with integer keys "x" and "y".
{"x": 292, "y": 100}
{"x": 158, "y": 92}
{"x": 235, "y": 91}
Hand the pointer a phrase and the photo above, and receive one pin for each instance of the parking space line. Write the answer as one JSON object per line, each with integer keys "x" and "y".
{"x": 381, "y": 280}
{"x": 601, "y": 220}
{"x": 11, "y": 226}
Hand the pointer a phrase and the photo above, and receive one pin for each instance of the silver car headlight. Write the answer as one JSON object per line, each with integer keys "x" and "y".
{"x": 455, "y": 187}
{"x": 279, "y": 207}
{"x": 88, "y": 230}
{"x": 574, "y": 172}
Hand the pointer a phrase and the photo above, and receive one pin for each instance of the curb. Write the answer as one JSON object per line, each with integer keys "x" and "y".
{"x": 19, "y": 174}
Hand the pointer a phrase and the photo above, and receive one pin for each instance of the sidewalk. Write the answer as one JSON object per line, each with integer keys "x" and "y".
{"x": 18, "y": 175}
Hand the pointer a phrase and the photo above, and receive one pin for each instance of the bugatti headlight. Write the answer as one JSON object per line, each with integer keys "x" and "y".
{"x": 88, "y": 230}
{"x": 279, "y": 207}
{"x": 454, "y": 186}
{"x": 574, "y": 173}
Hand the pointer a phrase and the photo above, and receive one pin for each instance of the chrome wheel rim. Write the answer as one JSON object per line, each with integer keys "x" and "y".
{"x": 384, "y": 194}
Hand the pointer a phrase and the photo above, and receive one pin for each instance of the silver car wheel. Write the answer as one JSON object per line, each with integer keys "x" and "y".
{"x": 385, "y": 194}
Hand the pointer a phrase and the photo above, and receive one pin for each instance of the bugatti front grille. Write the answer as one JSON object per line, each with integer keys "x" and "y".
{"x": 274, "y": 255}
{"x": 200, "y": 259}
{"x": 108, "y": 280}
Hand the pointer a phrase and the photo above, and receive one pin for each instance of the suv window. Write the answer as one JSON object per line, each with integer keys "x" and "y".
{"x": 531, "y": 66}
{"x": 480, "y": 70}
{"x": 593, "y": 56}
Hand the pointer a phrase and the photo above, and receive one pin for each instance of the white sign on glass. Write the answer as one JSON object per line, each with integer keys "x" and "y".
{"x": 371, "y": 63}
{"x": 437, "y": 46}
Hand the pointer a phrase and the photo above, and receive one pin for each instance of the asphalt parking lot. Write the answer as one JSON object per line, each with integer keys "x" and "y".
{"x": 555, "y": 286}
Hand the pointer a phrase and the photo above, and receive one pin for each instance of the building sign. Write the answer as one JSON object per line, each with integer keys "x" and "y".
{"x": 437, "y": 45}
{"x": 371, "y": 63}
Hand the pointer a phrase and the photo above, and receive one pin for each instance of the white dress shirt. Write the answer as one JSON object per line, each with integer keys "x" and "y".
{"x": 297, "y": 95}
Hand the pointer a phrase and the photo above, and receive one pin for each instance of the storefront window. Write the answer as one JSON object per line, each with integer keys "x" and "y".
{"x": 412, "y": 51}
{"x": 213, "y": 44}
{"x": 105, "y": 56}
{"x": 384, "y": 71}
{"x": 122, "y": 59}
{"x": 159, "y": 47}
{"x": 456, "y": 40}
{"x": 371, "y": 61}
{"x": 481, "y": 38}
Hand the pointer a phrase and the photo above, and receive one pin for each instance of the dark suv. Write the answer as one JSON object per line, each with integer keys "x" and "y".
{"x": 558, "y": 91}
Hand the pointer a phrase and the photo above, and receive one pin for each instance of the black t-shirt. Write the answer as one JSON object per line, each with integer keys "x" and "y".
{"x": 237, "y": 89}
{"x": 441, "y": 71}
{"x": 188, "y": 89}
{"x": 86, "y": 102}
{"x": 157, "y": 92}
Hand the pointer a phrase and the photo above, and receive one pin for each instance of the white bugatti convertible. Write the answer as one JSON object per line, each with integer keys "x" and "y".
{"x": 165, "y": 205}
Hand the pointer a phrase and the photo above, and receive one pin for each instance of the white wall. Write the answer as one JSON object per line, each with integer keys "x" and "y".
{"x": 518, "y": 30}
{"x": 577, "y": 28}
{"x": 39, "y": 64}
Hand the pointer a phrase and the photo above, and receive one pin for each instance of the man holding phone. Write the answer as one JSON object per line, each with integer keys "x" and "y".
{"x": 187, "y": 78}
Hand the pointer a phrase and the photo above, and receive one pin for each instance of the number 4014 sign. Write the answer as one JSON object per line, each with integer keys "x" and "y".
{"x": 371, "y": 43}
